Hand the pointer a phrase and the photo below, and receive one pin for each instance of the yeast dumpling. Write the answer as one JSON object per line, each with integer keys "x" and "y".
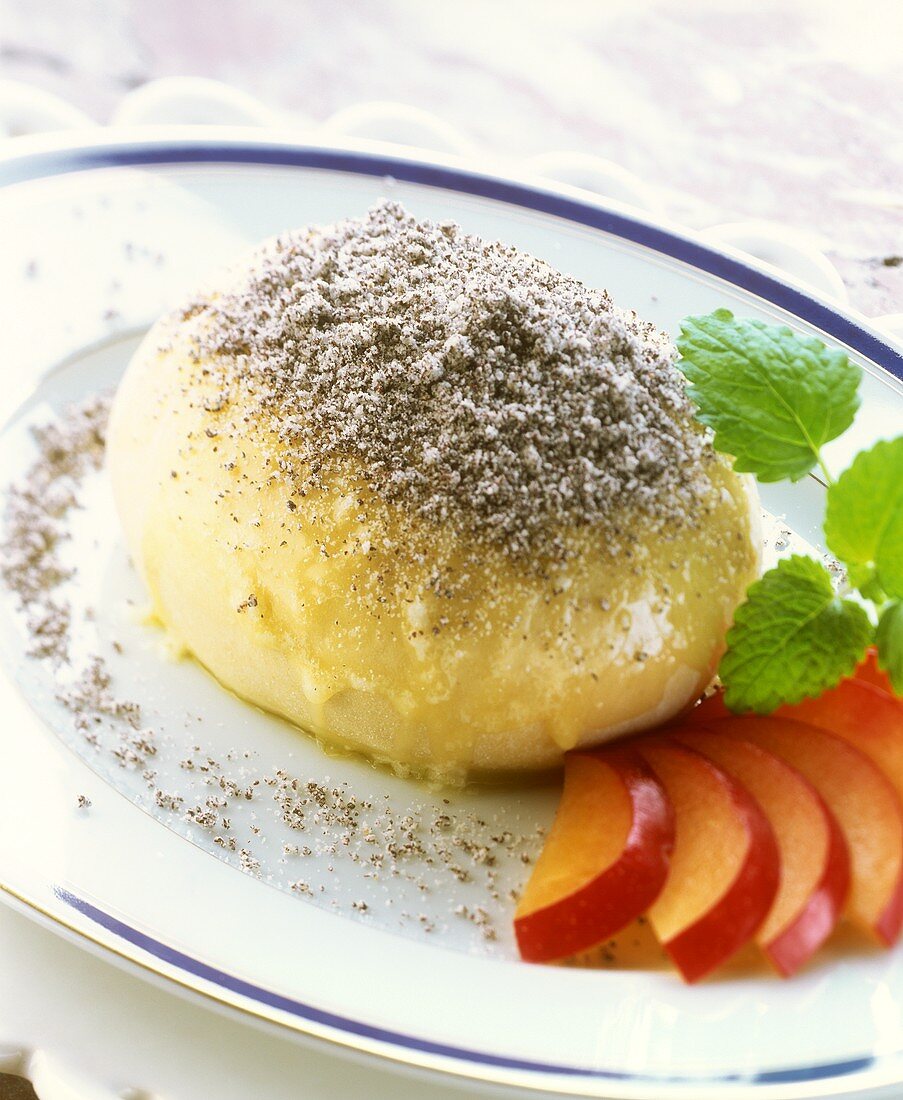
{"x": 429, "y": 499}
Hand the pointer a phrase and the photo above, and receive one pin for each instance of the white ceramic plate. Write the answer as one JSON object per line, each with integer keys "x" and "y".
{"x": 99, "y": 238}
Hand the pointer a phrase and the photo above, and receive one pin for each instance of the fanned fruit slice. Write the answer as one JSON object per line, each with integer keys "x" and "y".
{"x": 605, "y": 859}
{"x": 866, "y": 716}
{"x": 862, "y": 800}
{"x": 815, "y": 866}
{"x": 725, "y": 865}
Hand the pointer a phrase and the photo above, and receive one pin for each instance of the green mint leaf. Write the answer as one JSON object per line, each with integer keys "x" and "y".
{"x": 864, "y": 517}
{"x": 792, "y": 637}
{"x": 870, "y": 589}
{"x": 772, "y": 397}
{"x": 889, "y": 638}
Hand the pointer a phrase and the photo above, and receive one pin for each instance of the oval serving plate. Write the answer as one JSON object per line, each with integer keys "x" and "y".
{"x": 413, "y": 962}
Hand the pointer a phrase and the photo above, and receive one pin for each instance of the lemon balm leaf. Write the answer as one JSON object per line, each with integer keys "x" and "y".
{"x": 864, "y": 517}
{"x": 772, "y": 397}
{"x": 889, "y": 639}
{"x": 792, "y": 637}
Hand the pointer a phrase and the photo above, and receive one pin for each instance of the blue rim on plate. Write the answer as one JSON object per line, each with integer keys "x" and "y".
{"x": 834, "y": 322}
{"x": 173, "y": 957}
{"x": 29, "y": 166}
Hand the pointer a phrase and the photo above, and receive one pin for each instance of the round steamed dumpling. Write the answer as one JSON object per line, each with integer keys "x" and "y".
{"x": 429, "y": 499}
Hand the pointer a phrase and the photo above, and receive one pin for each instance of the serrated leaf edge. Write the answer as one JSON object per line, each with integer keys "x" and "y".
{"x": 745, "y": 612}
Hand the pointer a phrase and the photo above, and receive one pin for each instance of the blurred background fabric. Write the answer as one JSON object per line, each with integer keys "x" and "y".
{"x": 788, "y": 111}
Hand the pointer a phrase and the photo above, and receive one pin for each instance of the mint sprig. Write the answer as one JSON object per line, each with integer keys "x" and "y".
{"x": 864, "y": 516}
{"x": 889, "y": 638}
{"x": 773, "y": 399}
{"x": 792, "y": 637}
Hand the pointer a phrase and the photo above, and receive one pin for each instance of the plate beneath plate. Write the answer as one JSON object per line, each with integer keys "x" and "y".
{"x": 391, "y": 955}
